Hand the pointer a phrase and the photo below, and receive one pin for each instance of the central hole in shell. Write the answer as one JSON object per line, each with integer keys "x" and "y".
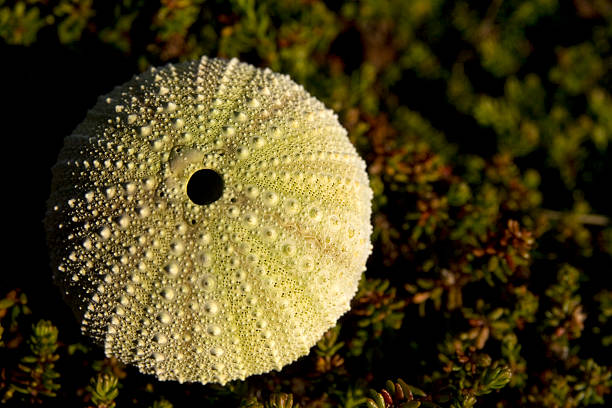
{"x": 204, "y": 187}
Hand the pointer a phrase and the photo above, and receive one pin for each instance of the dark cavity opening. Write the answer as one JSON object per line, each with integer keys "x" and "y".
{"x": 205, "y": 186}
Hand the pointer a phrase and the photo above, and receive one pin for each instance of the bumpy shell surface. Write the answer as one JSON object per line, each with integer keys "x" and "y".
{"x": 221, "y": 291}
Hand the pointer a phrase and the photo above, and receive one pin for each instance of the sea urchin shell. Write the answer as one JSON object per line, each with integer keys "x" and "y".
{"x": 208, "y": 221}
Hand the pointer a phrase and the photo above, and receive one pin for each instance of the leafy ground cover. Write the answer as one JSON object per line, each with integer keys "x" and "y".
{"x": 486, "y": 129}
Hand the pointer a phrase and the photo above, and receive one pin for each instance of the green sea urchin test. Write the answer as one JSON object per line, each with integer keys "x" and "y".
{"x": 208, "y": 221}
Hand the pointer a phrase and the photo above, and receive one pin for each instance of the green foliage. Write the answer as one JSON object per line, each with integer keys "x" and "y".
{"x": 327, "y": 351}
{"x": 11, "y": 308}
{"x": 162, "y": 403}
{"x": 276, "y": 400}
{"x": 585, "y": 385}
{"x": 280, "y": 400}
{"x": 104, "y": 390}
{"x": 398, "y": 395}
{"x": 486, "y": 129}
{"x": 35, "y": 376}
{"x": 20, "y": 24}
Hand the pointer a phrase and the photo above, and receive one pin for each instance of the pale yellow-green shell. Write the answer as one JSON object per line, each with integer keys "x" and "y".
{"x": 216, "y": 292}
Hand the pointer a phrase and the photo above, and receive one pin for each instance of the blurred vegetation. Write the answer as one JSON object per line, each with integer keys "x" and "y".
{"x": 486, "y": 127}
